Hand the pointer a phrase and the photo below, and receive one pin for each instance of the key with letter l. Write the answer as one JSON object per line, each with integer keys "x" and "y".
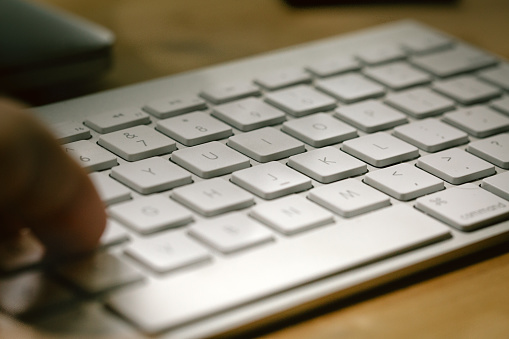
{"x": 349, "y": 197}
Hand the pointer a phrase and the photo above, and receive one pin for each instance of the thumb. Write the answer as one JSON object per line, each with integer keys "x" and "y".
{"x": 44, "y": 189}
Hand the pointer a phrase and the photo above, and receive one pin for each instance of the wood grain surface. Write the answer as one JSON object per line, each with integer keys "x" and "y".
{"x": 162, "y": 37}
{"x": 465, "y": 299}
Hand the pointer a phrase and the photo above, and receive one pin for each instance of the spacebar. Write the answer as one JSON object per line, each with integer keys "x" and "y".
{"x": 171, "y": 302}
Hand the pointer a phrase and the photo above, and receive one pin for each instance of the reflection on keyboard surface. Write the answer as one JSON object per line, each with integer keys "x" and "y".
{"x": 238, "y": 192}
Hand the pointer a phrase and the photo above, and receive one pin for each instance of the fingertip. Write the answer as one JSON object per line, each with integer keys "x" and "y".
{"x": 77, "y": 227}
{"x": 43, "y": 189}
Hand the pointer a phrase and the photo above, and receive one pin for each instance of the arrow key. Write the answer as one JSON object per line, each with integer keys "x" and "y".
{"x": 404, "y": 181}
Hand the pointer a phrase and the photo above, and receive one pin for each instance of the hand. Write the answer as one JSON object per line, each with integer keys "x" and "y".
{"x": 42, "y": 189}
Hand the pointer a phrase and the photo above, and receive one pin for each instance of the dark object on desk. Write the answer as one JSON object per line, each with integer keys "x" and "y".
{"x": 314, "y": 3}
{"x": 42, "y": 47}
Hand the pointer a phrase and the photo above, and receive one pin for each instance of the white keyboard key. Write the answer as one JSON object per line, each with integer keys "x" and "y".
{"x": 213, "y": 197}
{"x": 431, "y": 135}
{"x": 425, "y": 42}
{"x": 455, "y": 166}
{"x": 370, "y": 116}
{"x": 380, "y": 54}
{"x": 167, "y": 252}
{"x": 397, "y": 75}
{"x": 291, "y": 214}
{"x": 222, "y": 93}
{"x": 283, "y": 78}
{"x": 300, "y": 100}
{"x": 115, "y": 120}
{"x": 497, "y": 75}
{"x": 151, "y": 175}
{"x": 419, "y": 102}
{"x": 497, "y": 184}
{"x": 248, "y": 114}
{"x": 479, "y": 121}
{"x": 113, "y": 234}
{"x": 231, "y": 233}
{"x": 501, "y": 105}
{"x": 350, "y": 87}
{"x": 319, "y": 130}
{"x": 466, "y": 89}
{"x": 90, "y": 156}
{"x": 266, "y": 144}
{"x": 210, "y": 160}
{"x": 70, "y": 131}
{"x": 271, "y": 180}
{"x": 321, "y": 253}
{"x": 466, "y": 207}
{"x": 380, "y": 149}
{"x": 194, "y": 128}
{"x": 404, "y": 181}
{"x": 494, "y": 149}
{"x": 332, "y": 66}
{"x": 327, "y": 164}
{"x": 137, "y": 143}
{"x": 110, "y": 191}
{"x": 150, "y": 214}
{"x": 99, "y": 273}
{"x": 459, "y": 59}
{"x": 170, "y": 107}
{"x": 349, "y": 198}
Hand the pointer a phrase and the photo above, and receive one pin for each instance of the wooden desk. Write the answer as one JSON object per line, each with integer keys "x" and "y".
{"x": 469, "y": 298}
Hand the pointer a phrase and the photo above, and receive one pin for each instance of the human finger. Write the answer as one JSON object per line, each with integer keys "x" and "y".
{"x": 42, "y": 188}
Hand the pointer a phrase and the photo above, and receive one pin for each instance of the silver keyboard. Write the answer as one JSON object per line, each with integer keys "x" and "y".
{"x": 241, "y": 192}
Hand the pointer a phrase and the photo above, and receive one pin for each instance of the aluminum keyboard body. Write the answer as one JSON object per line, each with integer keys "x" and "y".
{"x": 278, "y": 268}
